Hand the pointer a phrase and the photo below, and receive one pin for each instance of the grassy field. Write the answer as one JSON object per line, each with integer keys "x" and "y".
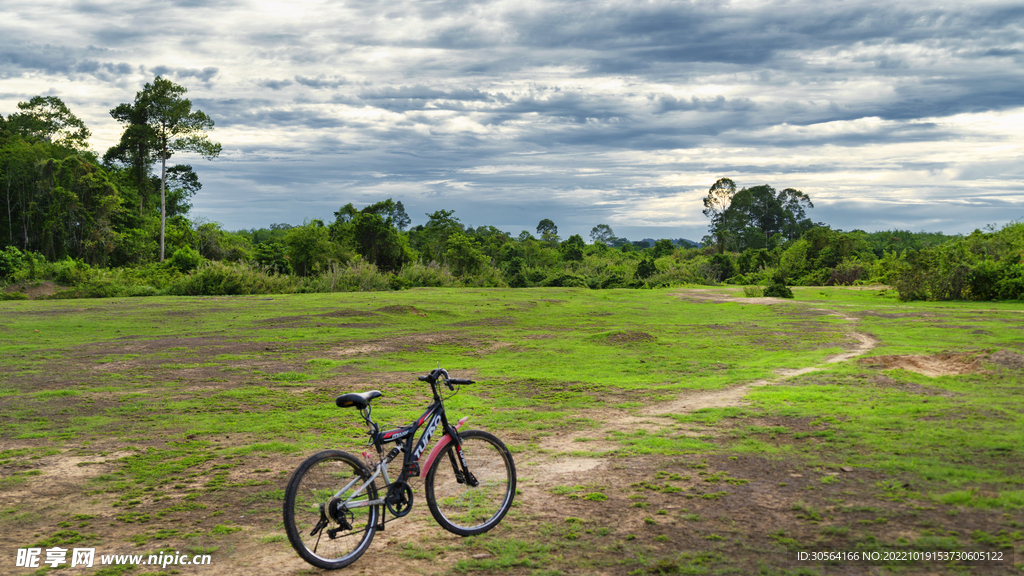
{"x": 655, "y": 432}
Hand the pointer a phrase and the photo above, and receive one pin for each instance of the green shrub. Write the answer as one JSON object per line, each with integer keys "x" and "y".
{"x": 273, "y": 257}
{"x": 848, "y": 271}
{"x": 561, "y": 279}
{"x": 427, "y": 275}
{"x": 723, "y": 267}
{"x": 646, "y": 268}
{"x": 982, "y": 266}
{"x": 487, "y": 277}
{"x": 356, "y": 276}
{"x": 186, "y": 259}
{"x": 13, "y": 296}
{"x": 754, "y": 291}
{"x": 69, "y": 272}
{"x": 11, "y": 261}
{"x": 221, "y": 279}
{"x": 778, "y": 290}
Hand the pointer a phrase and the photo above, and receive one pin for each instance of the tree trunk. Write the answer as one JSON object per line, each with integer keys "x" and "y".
{"x": 10, "y": 220}
{"x": 163, "y": 200}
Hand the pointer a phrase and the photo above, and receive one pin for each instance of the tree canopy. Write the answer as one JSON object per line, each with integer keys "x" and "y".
{"x": 757, "y": 217}
{"x": 160, "y": 122}
{"x": 47, "y": 118}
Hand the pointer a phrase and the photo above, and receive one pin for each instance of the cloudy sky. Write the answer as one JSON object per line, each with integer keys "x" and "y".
{"x": 887, "y": 114}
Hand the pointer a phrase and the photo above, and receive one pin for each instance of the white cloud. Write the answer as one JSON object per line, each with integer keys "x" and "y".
{"x": 617, "y": 112}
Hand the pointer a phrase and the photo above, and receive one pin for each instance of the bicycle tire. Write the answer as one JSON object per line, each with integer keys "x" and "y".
{"x": 460, "y": 508}
{"x": 312, "y": 486}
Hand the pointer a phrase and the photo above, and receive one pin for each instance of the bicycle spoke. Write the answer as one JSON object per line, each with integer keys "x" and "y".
{"x": 465, "y": 509}
{"x": 312, "y": 512}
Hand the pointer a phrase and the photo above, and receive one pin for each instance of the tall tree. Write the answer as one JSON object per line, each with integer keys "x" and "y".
{"x": 715, "y": 205}
{"x": 136, "y": 151}
{"x": 378, "y": 241}
{"x": 769, "y": 211}
{"x": 171, "y": 126}
{"x": 402, "y": 219}
{"x": 47, "y": 118}
{"x": 548, "y": 232}
{"x": 602, "y": 232}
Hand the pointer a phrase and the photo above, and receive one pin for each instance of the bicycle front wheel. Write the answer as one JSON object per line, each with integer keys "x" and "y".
{"x": 330, "y": 529}
{"x": 469, "y": 510}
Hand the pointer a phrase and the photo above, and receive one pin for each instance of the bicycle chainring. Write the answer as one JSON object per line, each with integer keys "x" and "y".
{"x": 399, "y": 498}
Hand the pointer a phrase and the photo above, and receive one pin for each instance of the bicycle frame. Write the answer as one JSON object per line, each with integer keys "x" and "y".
{"x": 435, "y": 417}
{"x": 382, "y": 466}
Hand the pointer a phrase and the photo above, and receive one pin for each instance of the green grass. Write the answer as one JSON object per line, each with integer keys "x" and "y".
{"x": 196, "y": 391}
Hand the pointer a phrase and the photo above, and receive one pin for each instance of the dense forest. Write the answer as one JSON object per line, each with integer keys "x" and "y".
{"x": 121, "y": 225}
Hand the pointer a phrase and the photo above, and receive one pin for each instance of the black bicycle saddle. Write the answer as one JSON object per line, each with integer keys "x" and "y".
{"x": 358, "y": 399}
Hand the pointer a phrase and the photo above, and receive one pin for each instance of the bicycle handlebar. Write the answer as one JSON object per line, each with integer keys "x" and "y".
{"x": 448, "y": 381}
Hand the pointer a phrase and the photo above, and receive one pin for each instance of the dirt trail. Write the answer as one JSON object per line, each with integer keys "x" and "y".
{"x": 653, "y": 418}
{"x": 690, "y": 401}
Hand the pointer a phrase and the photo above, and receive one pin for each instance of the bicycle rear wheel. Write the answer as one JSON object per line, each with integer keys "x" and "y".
{"x": 325, "y": 533}
{"x": 469, "y": 510}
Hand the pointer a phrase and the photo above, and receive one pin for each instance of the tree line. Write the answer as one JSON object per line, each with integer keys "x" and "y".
{"x": 120, "y": 225}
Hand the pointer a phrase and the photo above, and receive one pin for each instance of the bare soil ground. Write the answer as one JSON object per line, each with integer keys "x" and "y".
{"x": 34, "y": 290}
{"x": 658, "y": 515}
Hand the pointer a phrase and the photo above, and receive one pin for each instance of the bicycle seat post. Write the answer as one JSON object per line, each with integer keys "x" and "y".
{"x": 374, "y": 431}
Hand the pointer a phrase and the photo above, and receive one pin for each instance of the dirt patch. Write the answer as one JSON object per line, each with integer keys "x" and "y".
{"x": 34, "y": 290}
{"x": 630, "y": 338}
{"x": 569, "y": 466}
{"x": 934, "y": 366}
{"x": 506, "y": 321}
{"x": 1008, "y": 359}
{"x": 729, "y": 295}
{"x": 360, "y": 350}
{"x": 401, "y": 310}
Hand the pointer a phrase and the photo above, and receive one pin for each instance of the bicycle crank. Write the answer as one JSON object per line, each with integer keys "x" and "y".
{"x": 399, "y": 498}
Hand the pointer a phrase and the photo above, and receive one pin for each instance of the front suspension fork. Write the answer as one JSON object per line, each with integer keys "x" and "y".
{"x": 463, "y": 475}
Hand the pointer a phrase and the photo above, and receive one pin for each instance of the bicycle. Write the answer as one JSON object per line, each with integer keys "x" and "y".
{"x": 332, "y": 506}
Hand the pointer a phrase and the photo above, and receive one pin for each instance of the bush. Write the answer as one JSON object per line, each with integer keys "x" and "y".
{"x": 69, "y": 272}
{"x": 982, "y": 266}
{"x": 754, "y": 291}
{"x": 487, "y": 277}
{"x": 428, "y": 275}
{"x": 847, "y": 272}
{"x": 723, "y": 267}
{"x": 565, "y": 280}
{"x": 223, "y": 279}
{"x": 463, "y": 257}
{"x": 572, "y": 249}
{"x": 273, "y": 257}
{"x": 778, "y": 290}
{"x": 646, "y": 268}
{"x": 356, "y": 276}
{"x": 674, "y": 276}
{"x": 11, "y": 261}
{"x": 185, "y": 259}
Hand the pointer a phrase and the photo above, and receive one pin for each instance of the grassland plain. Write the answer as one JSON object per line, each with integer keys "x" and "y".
{"x": 655, "y": 432}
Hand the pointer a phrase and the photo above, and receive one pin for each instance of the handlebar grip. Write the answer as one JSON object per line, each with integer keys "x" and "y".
{"x": 461, "y": 381}
{"x": 424, "y": 378}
